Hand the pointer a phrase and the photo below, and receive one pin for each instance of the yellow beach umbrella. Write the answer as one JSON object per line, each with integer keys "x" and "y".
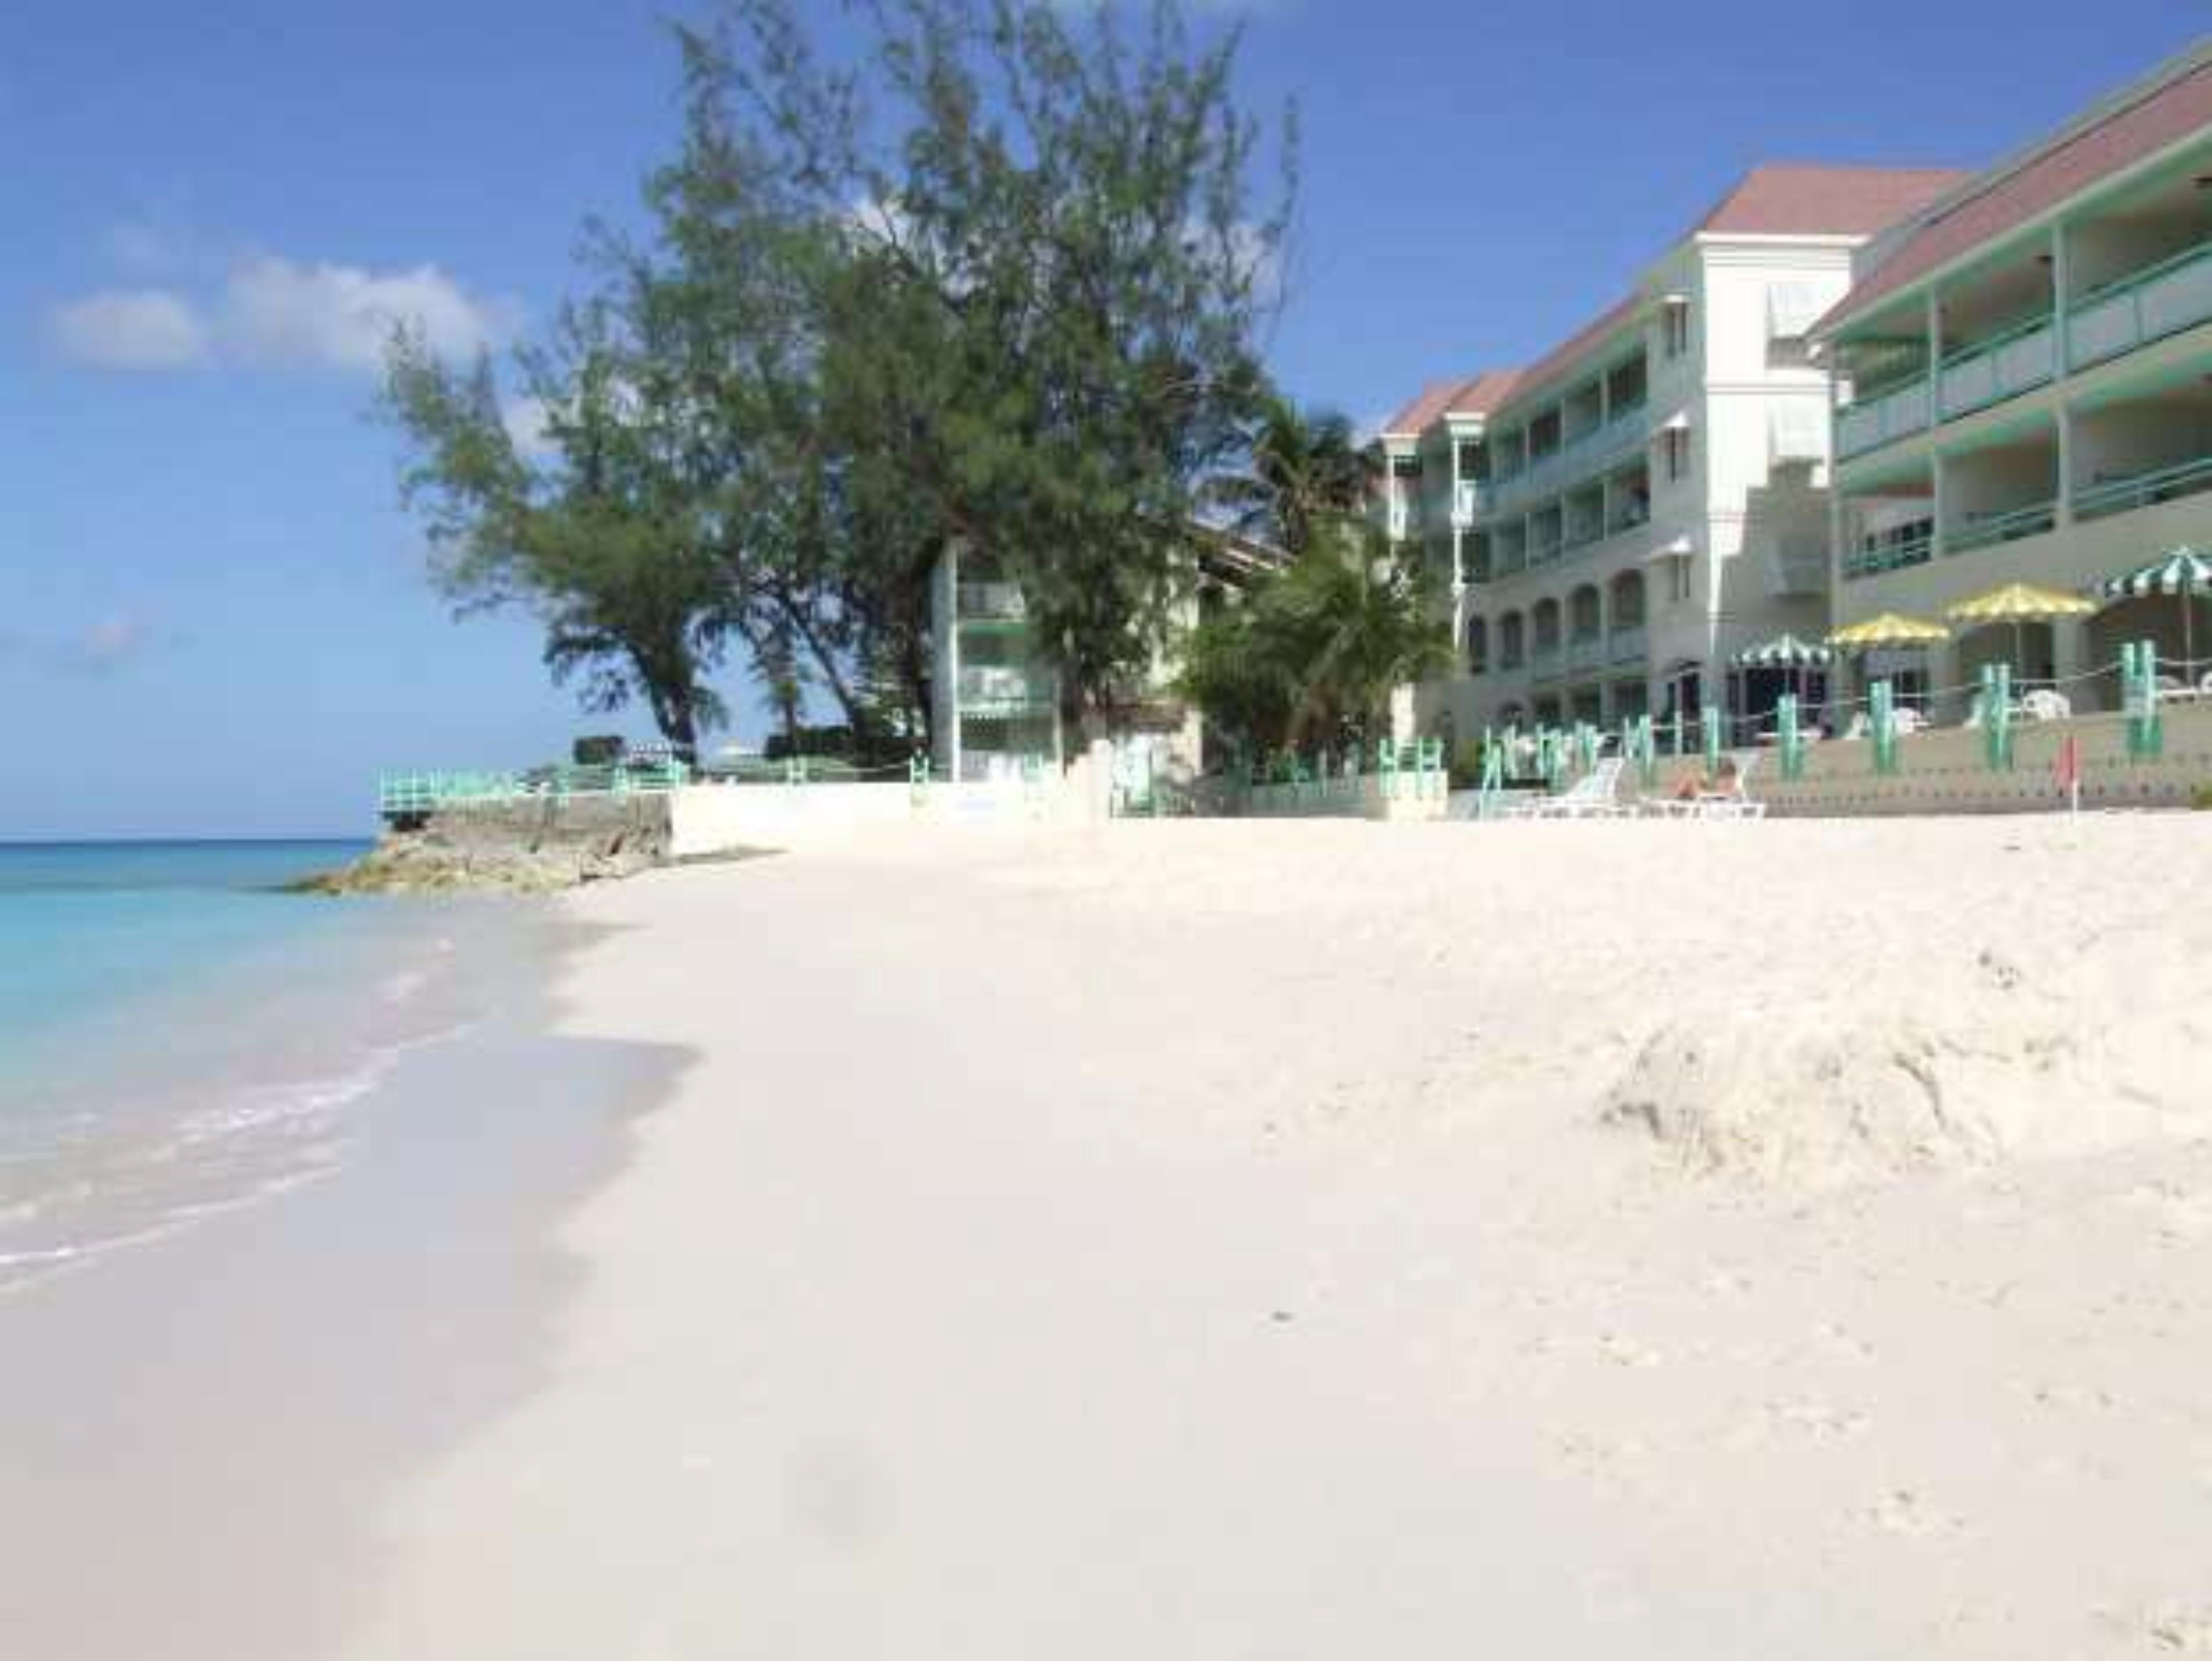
{"x": 2018, "y": 604}
{"x": 1889, "y": 629}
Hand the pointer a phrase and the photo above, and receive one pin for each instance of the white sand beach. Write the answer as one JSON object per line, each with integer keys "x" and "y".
{"x": 1326, "y": 1239}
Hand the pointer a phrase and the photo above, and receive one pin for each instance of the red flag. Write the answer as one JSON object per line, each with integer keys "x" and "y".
{"x": 2067, "y": 767}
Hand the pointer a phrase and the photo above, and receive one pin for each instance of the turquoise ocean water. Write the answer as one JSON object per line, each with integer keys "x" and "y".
{"x": 176, "y": 1036}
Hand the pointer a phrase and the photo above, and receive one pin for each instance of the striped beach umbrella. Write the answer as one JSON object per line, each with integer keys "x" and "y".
{"x": 2018, "y": 604}
{"x": 1888, "y": 630}
{"x": 1784, "y": 651}
{"x": 2183, "y": 572}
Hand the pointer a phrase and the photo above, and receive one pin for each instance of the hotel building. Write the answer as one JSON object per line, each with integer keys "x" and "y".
{"x": 2023, "y": 376}
{"x": 1613, "y": 522}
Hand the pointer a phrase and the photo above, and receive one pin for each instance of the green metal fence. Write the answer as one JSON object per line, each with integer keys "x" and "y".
{"x": 409, "y": 795}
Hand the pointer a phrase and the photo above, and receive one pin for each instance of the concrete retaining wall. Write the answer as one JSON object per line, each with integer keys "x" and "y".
{"x": 1363, "y": 798}
{"x": 714, "y": 818}
{"x": 1945, "y": 771}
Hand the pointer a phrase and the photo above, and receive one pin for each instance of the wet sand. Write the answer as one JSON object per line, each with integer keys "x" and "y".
{"x": 197, "y": 1431}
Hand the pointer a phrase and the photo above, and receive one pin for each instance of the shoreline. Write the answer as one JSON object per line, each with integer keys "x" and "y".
{"x": 206, "y": 1420}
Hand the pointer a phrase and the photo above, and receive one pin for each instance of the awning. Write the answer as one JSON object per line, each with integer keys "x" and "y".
{"x": 1677, "y": 422}
{"x": 1678, "y": 547}
{"x": 1798, "y": 431}
{"x": 1792, "y": 310}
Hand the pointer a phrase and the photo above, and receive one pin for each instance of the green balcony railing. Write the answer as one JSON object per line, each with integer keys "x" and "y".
{"x": 2107, "y": 496}
{"x": 1989, "y": 530}
{"x": 2144, "y": 306}
{"x": 1915, "y": 549}
{"x": 2015, "y": 360}
{"x": 1873, "y": 421}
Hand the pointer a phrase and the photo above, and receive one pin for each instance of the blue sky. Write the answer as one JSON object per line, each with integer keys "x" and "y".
{"x": 212, "y": 613}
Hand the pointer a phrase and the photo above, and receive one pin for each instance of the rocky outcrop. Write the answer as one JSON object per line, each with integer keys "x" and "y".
{"x": 518, "y": 848}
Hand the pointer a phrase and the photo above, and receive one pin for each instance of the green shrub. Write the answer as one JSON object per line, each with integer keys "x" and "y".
{"x": 598, "y": 751}
{"x": 2201, "y": 797}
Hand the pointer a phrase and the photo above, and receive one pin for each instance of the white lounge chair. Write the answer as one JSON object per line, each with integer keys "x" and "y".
{"x": 1590, "y": 796}
{"x": 2045, "y": 704}
{"x": 1733, "y": 803}
{"x": 1728, "y": 803}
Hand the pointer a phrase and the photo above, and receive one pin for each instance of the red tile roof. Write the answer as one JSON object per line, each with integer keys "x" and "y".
{"x": 1476, "y": 395}
{"x": 1612, "y": 319}
{"x": 1777, "y": 199}
{"x": 2135, "y": 127}
{"x": 1788, "y": 198}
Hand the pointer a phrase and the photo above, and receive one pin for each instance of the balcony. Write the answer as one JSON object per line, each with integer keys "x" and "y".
{"x": 1989, "y": 372}
{"x": 1590, "y": 452}
{"x": 1987, "y": 530}
{"x": 1870, "y": 424}
{"x": 1546, "y": 663}
{"x": 998, "y": 602}
{"x": 1626, "y": 644}
{"x": 2158, "y": 301}
{"x": 2108, "y": 496}
{"x": 1469, "y": 502}
{"x": 1585, "y": 652}
{"x": 1891, "y": 554}
{"x": 1401, "y": 521}
{"x": 1002, "y": 687}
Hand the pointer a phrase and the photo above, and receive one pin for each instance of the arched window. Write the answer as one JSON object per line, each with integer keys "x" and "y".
{"x": 1626, "y": 598}
{"x": 1585, "y": 615}
{"x": 1544, "y": 624}
{"x": 1478, "y": 645}
{"x": 1512, "y": 646}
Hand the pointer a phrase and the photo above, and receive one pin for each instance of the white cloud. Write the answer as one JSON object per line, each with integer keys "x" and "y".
{"x": 271, "y": 311}
{"x": 132, "y": 328}
{"x": 275, "y": 311}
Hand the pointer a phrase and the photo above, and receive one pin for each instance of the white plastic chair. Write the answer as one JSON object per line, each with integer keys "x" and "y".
{"x": 2045, "y": 704}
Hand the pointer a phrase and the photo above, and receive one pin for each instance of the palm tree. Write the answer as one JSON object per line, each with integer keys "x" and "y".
{"x": 1303, "y": 469}
{"x": 1313, "y": 654}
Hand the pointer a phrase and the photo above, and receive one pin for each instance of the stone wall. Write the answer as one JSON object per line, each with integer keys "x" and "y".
{"x": 535, "y": 846}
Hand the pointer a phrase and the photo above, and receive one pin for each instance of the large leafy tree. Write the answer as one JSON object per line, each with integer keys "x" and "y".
{"x": 1043, "y": 326}
{"x": 994, "y": 281}
{"x": 1312, "y": 655}
{"x": 595, "y": 527}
